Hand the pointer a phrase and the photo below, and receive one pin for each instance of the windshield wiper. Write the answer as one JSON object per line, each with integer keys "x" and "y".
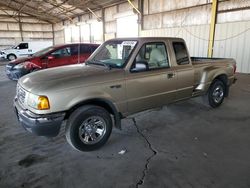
{"x": 96, "y": 62}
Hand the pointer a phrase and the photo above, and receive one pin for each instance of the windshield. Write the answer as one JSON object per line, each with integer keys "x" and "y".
{"x": 114, "y": 53}
{"x": 43, "y": 52}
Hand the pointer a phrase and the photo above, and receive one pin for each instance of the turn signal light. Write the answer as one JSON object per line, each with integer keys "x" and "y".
{"x": 43, "y": 103}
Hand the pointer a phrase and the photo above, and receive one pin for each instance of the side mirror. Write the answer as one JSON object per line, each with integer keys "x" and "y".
{"x": 51, "y": 57}
{"x": 140, "y": 66}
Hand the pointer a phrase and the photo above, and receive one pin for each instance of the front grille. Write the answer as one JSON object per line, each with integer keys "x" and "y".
{"x": 21, "y": 94}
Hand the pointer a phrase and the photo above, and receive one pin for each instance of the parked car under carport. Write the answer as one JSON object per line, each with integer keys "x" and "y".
{"x": 54, "y": 56}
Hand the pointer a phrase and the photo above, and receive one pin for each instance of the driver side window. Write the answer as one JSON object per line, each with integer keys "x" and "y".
{"x": 63, "y": 52}
{"x": 153, "y": 56}
{"x": 23, "y": 46}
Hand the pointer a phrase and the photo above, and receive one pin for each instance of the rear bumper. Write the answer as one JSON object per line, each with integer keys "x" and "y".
{"x": 40, "y": 125}
{"x": 231, "y": 80}
{"x": 234, "y": 80}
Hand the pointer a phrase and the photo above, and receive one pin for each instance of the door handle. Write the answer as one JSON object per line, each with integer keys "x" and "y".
{"x": 171, "y": 75}
{"x": 115, "y": 86}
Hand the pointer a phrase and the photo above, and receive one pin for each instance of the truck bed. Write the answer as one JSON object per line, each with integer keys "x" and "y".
{"x": 204, "y": 66}
{"x": 203, "y": 62}
{"x": 196, "y": 60}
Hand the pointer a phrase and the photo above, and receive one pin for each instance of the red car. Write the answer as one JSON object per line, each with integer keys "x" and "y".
{"x": 53, "y": 56}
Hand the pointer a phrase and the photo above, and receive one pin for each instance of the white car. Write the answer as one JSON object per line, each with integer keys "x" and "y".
{"x": 24, "y": 49}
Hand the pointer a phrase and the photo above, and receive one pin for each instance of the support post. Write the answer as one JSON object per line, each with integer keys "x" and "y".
{"x": 140, "y": 16}
{"x": 20, "y": 26}
{"x": 103, "y": 25}
{"x": 53, "y": 33}
{"x": 212, "y": 28}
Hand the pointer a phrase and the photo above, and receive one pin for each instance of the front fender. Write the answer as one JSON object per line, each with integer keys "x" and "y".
{"x": 108, "y": 105}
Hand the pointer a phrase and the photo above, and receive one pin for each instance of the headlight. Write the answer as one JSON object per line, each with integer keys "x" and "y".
{"x": 38, "y": 102}
{"x": 19, "y": 66}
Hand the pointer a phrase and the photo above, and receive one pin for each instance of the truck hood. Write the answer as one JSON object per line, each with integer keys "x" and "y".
{"x": 67, "y": 77}
{"x": 9, "y": 48}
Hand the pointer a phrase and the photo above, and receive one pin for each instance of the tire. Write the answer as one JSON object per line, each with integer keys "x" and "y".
{"x": 11, "y": 57}
{"x": 216, "y": 93}
{"x": 82, "y": 127}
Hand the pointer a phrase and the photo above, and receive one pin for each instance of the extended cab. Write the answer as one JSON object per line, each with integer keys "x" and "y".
{"x": 122, "y": 77}
{"x": 53, "y": 56}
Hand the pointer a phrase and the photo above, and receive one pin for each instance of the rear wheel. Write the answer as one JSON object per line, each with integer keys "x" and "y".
{"x": 11, "y": 57}
{"x": 216, "y": 93}
{"x": 88, "y": 128}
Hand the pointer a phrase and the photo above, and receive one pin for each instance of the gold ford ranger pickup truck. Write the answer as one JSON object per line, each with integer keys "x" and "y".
{"x": 122, "y": 77}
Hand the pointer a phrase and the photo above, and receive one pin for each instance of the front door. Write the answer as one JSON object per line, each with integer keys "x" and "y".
{"x": 153, "y": 86}
{"x": 59, "y": 57}
{"x": 22, "y": 50}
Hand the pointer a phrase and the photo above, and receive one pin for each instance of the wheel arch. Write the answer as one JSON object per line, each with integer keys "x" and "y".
{"x": 106, "y": 104}
{"x": 11, "y": 54}
{"x": 224, "y": 79}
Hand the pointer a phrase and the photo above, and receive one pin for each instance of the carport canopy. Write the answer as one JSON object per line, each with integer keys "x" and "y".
{"x": 52, "y": 11}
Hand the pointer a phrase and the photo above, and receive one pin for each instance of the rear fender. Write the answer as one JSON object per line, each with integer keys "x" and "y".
{"x": 208, "y": 76}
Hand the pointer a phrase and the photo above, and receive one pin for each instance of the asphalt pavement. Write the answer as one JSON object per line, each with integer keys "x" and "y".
{"x": 186, "y": 144}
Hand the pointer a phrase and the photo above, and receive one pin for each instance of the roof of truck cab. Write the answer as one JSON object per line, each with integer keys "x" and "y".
{"x": 147, "y": 38}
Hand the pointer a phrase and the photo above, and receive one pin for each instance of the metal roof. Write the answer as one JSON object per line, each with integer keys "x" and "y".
{"x": 53, "y": 10}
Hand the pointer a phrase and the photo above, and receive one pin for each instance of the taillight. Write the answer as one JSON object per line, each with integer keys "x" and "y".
{"x": 234, "y": 68}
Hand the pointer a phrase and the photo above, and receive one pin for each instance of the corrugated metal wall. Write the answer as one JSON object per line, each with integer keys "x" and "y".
{"x": 193, "y": 35}
{"x": 233, "y": 40}
{"x": 188, "y": 19}
{"x": 58, "y": 33}
{"x": 32, "y": 29}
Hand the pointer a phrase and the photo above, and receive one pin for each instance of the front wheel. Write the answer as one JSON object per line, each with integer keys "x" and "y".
{"x": 216, "y": 93}
{"x": 88, "y": 128}
{"x": 11, "y": 57}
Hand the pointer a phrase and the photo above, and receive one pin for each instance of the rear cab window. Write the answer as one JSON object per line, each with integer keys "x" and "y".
{"x": 181, "y": 53}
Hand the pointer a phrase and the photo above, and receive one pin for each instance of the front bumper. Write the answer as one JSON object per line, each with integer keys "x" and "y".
{"x": 40, "y": 125}
{"x": 15, "y": 74}
{"x": 2, "y": 55}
